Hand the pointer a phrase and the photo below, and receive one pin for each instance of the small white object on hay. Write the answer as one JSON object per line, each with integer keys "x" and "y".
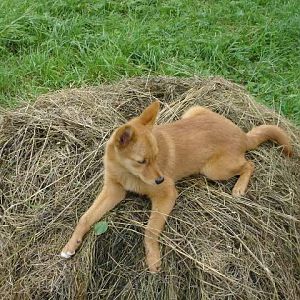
{"x": 214, "y": 246}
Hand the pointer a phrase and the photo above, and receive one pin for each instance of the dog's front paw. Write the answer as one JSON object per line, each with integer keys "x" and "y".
{"x": 154, "y": 264}
{"x": 70, "y": 248}
{"x": 155, "y": 268}
{"x": 66, "y": 254}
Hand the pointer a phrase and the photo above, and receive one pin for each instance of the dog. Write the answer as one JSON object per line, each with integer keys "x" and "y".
{"x": 148, "y": 159}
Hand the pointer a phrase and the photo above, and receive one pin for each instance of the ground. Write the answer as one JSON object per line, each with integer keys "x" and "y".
{"x": 49, "y": 45}
{"x": 214, "y": 246}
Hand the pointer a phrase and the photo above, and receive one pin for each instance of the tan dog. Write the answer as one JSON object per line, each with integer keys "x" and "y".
{"x": 148, "y": 159}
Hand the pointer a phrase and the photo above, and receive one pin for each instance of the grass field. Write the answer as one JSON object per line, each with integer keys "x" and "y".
{"x": 47, "y": 45}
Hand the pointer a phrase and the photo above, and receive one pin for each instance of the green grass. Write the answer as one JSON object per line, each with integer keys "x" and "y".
{"x": 48, "y": 45}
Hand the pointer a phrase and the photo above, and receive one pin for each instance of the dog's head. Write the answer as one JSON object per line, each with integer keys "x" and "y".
{"x": 136, "y": 146}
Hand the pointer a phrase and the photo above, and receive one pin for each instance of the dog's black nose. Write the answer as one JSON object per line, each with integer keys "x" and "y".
{"x": 159, "y": 180}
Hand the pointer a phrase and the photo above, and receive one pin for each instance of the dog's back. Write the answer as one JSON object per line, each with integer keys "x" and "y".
{"x": 190, "y": 143}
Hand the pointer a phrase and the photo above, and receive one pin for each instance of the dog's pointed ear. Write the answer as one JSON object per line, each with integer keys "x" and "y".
{"x": 124, "y": 135}
{"x": 149, "y": 115}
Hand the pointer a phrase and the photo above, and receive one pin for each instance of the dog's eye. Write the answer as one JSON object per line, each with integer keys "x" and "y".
{"x": 142, "y": 161}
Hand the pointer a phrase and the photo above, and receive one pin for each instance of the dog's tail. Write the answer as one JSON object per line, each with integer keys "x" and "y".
{"x": 263, "y": 133}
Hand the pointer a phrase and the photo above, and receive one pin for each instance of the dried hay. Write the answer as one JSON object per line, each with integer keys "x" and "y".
{"x": 214, "y": 246}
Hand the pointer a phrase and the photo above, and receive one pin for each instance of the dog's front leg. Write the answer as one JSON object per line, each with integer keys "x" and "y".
{"x": 111, "y": 194}
{"x": 161, "y": 208}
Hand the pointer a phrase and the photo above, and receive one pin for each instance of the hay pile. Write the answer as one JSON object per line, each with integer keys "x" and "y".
{"x": 214, "y": 246}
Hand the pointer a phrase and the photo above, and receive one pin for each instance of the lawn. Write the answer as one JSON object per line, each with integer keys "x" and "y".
{"x": 49, "y": 45}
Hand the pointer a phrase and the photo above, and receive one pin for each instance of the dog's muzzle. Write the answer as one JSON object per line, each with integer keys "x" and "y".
{"x": 159, "y": 180}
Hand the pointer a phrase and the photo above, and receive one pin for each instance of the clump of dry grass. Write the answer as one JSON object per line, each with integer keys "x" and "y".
{"x": 214, "y": 246}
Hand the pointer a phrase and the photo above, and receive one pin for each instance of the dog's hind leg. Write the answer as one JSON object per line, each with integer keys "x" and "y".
{"x": 161, "y": 208}
{"x": 111, "y": 194}
{"x": 228, "y": 166}
{"x": 245, "y": 173}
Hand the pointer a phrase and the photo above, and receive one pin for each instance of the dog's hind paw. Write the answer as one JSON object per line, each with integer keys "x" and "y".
{"x": 66, "y": 254}
{"x": 238, "y": 191}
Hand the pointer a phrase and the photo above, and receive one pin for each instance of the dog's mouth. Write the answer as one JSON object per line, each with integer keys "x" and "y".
{"x": 156, "y": 181}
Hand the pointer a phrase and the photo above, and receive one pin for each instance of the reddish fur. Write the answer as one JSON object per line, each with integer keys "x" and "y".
{"x": 264, "y": 133}
{"x": 201, "y": 142}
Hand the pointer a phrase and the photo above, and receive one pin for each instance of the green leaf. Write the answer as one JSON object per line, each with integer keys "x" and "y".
{"x": 100, "y": 227}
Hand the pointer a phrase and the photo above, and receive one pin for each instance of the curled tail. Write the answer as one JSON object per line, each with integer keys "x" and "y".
{"x": 263, "y": 133}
